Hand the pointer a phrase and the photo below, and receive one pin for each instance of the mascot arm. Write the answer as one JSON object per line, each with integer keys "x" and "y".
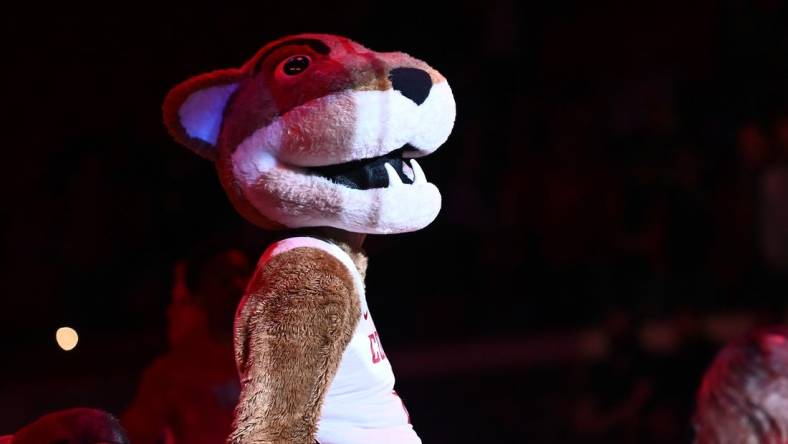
{"x": 298, "y": 316}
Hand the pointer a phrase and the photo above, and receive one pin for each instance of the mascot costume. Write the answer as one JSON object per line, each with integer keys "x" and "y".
{"x": 318, "y": 135}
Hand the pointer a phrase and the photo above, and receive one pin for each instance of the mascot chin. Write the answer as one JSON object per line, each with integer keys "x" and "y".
{"x": 318, "y": 135}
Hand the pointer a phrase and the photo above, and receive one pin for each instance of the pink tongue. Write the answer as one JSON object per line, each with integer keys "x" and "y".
{"x": 407, "y": 170}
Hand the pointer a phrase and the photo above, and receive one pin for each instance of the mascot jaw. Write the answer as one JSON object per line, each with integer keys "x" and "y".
{"x": 296, "y": 197}
{"x": 371, "y": 173}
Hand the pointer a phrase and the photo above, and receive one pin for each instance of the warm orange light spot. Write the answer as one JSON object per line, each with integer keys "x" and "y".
{"x": 66, "y": 338}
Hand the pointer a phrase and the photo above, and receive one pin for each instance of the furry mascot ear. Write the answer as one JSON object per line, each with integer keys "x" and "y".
{"x": 194, "y": 110}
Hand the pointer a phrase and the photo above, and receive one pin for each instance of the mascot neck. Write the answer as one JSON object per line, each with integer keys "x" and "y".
{"x": 348, "y": 241}
{"x": 354, "y": 241}
{"x": 351, "y": 243}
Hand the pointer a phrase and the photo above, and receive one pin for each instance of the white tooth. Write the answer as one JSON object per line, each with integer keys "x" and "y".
{"x": 394, "y": 179}
{"x": 418, "y": 173}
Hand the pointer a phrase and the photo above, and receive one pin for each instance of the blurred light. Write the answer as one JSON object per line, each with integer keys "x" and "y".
{"x": 66, "y": 338}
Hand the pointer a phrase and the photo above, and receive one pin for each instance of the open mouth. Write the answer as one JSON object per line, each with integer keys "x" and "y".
{"x": 371, "y": 173}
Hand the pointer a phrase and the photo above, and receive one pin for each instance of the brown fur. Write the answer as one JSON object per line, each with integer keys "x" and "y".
{"x": 299, "y": 315}
{"x": 358, "y": 257}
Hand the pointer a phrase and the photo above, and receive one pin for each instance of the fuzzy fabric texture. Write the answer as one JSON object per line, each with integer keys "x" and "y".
{"x": 350, "y": 125}
{"x": 298, "y": 316}
{"x": 294, "y": 199}
{"x": 305, "y": 105}
{"x": 266, "y": 125}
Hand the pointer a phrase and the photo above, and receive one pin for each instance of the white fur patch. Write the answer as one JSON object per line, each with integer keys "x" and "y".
{"x": 384, "y": 121}
{"x": 297, "y": 199}
{"x": 257, "y": 154}
{"x": 436, "y": 119}
{"x": 201, "y": 113}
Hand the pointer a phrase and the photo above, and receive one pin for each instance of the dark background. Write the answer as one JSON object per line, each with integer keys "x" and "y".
{"x": 603, "y": 216}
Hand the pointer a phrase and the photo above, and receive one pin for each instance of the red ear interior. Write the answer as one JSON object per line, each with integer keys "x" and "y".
{"x": 204, "y": 93}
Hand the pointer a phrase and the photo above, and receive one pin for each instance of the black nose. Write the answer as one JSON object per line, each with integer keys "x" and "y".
{"x": 413, "y": 83}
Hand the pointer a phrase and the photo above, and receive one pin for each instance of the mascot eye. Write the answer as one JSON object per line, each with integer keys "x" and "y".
{"x": 296, "y": 65}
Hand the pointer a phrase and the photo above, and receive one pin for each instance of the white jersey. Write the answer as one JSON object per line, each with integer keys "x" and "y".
{"x": 361, "y": 406}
